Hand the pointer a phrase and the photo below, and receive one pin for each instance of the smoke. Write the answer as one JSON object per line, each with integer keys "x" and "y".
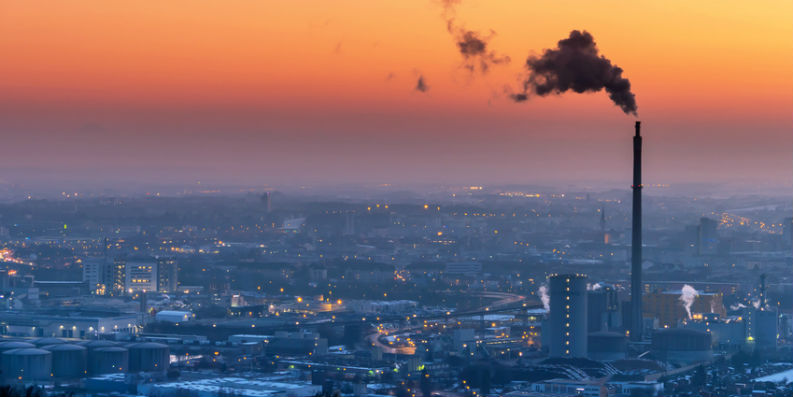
{"x": 421, "y": 85}
{"x": 737, "y": 306}
{"x": 593, "y": 287}
{"x": 687, "y": 296}
{"x": 713, "y": 306}
{"x": 544, "y": 297}
{"x": 575, "y": 65}
{"x": 448, "y": 6}
{"x": 756, "y": 303}
{"x": 472, "y": 45}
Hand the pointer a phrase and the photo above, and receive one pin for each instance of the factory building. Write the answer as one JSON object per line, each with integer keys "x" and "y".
{"x": 726, "y": 333}
{"x": 681, "y": 346}
{"x": 607, "y": 346}
{"x": 66, "y": 325}
{"x": 668, "y": 308}
{"x": 568, "y": 316}
{"x": 603, "y": 308}
{"x": 764, "y": 329}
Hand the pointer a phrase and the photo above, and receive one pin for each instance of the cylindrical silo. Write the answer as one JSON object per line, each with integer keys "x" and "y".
{"x": 568, "y": 316}
{"x": 95, "y": 344}
{"x": 11, "y": 345}
{"x": 6, "y": 346}
{"x": 68, "y": 361}
{"x": 41, "y": 342}
{"x": 28, "y": 364}
{"x": 108, "y": 360}
{"x": 149, "y": 357}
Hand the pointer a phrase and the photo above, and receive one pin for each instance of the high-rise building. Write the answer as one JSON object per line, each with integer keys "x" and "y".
{"x": 568, "y": 316}
{"x": 707, "y": 236}
{"x": 97, "y": 273}
{"x": 266, "y": 201}
{"x": 141, "y": 277}
{"x": 167, "y": 275}
{"x": 118, "y": 275}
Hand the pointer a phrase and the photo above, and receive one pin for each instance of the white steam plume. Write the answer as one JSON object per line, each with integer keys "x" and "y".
{"x": 687, "y": 296}
{"x": 546, "y": 300}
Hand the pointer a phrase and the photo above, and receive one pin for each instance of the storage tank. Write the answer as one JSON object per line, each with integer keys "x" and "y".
{"x": 107, "y": 360}
{"x": 679, "y": 345}
{"x": 68, "y": 361}
{"x": 607, "y": 346}
{"x": 6, "y": 346}
{"x": 41, "y": 342}
{"x": 11, "y": 345}
{"x": 149, "y": 357}
{"x": 95, "y": 344}
{"x": 29, "y": 364}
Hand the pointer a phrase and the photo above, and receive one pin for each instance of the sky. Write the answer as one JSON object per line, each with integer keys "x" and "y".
{"x": 323, "y": 92}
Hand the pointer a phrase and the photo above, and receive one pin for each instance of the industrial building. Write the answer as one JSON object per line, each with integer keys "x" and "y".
{"x": 603, "y": 308}
{"x": 682, "y": 346}
{"x": 764, "y": 329}
{"x": 669, "y": 309}
{"x": 607, "y": 346}
{"x": 74, "y": 324}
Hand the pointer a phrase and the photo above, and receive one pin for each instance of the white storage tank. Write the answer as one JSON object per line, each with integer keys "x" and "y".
{"x": 68, "y": 361}
{"x": 29, "y": 364}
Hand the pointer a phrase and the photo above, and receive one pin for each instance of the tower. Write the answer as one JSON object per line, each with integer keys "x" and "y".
{"x": 167, "y": 275}
{"x": 636, "y": 240}
{"x": 568, "y": 316}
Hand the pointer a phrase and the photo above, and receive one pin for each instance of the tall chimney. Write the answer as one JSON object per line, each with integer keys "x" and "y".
{"x": 636, "y": 240}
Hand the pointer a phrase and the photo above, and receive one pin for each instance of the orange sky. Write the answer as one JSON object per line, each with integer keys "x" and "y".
{"x": 311, "y": 78}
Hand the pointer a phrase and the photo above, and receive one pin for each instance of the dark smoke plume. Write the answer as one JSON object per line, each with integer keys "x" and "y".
{"x": 576, "y": 65}
{"x": 472, "y": 45}
{"x": 421, "y": 85}
{"x": 473, "y": 48}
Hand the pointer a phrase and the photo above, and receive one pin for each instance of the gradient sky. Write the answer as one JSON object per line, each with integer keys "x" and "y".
{"x": 317, "y": 91}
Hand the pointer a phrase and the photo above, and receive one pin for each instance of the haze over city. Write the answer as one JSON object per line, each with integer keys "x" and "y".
{"x": 411, "y": 198}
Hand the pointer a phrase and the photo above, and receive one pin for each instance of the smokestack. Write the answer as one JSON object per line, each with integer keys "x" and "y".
{"x": 636, "y": 240}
